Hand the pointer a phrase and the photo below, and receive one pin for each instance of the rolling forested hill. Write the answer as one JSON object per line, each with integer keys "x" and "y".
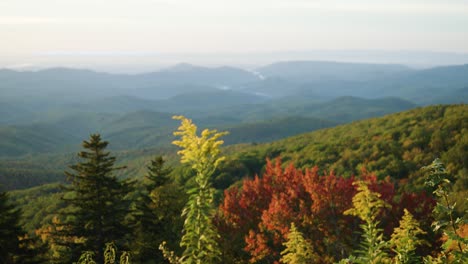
{"x": 33, "y": 96}
{"x": 135, "y": 129}
{"x": 396, "y": 145}
{"x": 340, "y": 110}
{"x": 50, "y": 111}
{"x": 45, "y": 115}
{"x": 266, "y": 131}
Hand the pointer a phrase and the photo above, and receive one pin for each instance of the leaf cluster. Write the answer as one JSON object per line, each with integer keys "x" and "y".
{"x": 200, "y": 237}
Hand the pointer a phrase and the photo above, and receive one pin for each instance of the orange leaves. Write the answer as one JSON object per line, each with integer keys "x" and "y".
{"x": 260, "y": 212}
{"x": 263, "y": 209}
{"x": 257, "y": 245}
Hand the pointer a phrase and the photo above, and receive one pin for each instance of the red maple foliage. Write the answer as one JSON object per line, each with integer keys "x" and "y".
{"x": 259, "y": 213}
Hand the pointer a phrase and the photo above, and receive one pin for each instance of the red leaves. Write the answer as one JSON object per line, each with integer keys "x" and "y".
{"x": 263, "y": 208}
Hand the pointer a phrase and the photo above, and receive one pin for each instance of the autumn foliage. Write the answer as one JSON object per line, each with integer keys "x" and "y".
{"x": 255, "y": 217}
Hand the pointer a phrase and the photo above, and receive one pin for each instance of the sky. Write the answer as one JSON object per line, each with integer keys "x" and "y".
{"x": 163, "y": 31}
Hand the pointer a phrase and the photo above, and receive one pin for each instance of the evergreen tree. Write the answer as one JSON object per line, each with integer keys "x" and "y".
{"x": 157, "y": 213}
{"x": 157, "y": 174}
{"x": 96, "y": 203}
{"x": 15, "y": 245}
{"x": 10, "y": 230}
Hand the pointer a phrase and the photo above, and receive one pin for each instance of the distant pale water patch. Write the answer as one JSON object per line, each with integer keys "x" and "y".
{"x": 224, "y": 87}
{"x": 259, "y": 75}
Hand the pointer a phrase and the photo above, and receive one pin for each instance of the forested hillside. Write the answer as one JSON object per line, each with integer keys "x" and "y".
{"x": 396, "y": 145}
{"x": 304, "y": 138}
{"x": 50, "y": 111}
{"x": 233, "y": 132}
{"x": 306, "y": 190}
{"x": 144, "y": 128}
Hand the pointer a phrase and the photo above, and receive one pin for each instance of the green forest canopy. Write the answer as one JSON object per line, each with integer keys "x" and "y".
{"x": 397, "y": 145}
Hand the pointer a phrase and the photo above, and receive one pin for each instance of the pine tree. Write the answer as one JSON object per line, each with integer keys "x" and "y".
{"x": 298, "y": 250}
{"x": 200, "y": 238}
{"x": 96, "y": 203}
{"x": 157, "y": 211}
{"x": 10, "y": 230}
{"x": 157, "y": 174}
{"x": 15, "y": 245}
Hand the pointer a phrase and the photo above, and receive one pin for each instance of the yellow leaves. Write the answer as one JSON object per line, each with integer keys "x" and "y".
{"x": 405, "y": 239}
{"x": 366, "y": 204}
{"x": 405, "y": 236}
{"x": 201, "y": 151}
{"x": 298, "y": 250}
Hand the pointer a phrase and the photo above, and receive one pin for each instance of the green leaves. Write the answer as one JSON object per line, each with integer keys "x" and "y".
{"x": 405, "y": 239}
{"x": 200, "y": 238}
{"x": 367, "y": 206}
{"x": 86, "y": 258}
{"x": 110, "y": 252}
{"x": 298, "y": 250}
{"x": 202, "y": 152}
{"x": 156, "y": 216}
{"x": 437, "y": 174}
{"x": 455, "y": 246}
{"x": 98, "y": 203}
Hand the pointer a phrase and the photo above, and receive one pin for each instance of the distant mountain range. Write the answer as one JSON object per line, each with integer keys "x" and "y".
{"x": 53, "y": 110}
{"x": 306, "y": 71}
{"x": 328, "y": 78}
{"x": 144, "y": 128}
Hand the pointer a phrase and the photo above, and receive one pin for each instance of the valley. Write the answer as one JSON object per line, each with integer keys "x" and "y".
{"x": 346, "y": 119}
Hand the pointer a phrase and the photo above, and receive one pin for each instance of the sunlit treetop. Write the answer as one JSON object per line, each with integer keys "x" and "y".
{"x": 367, "y": 204}
{"x": 202, "y": 152}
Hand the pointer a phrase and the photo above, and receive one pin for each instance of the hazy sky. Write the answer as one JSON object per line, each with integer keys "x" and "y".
{"x": 137, "y": 27}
